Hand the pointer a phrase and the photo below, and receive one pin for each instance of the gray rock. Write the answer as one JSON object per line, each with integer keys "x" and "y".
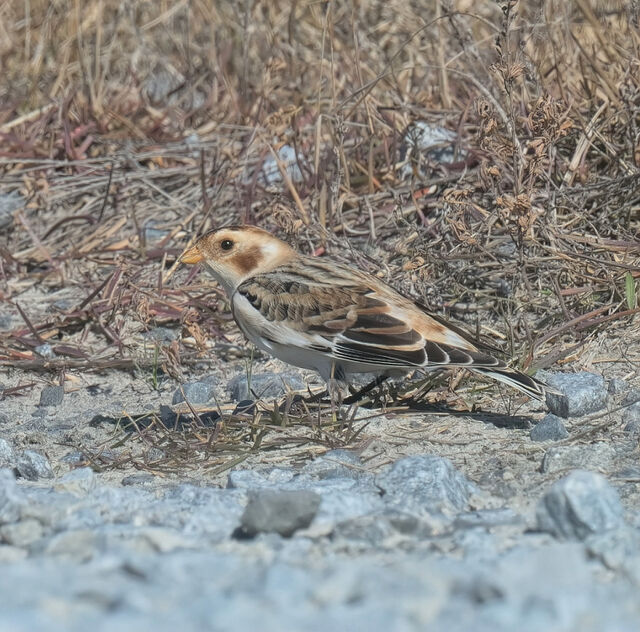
{"x": 160, "y": 84}
{"x": 596, "y": 456}
{"x": 580, "y": 393}
{"x": 75, "y": 458}
{"x": 7, "y": 455}
{"x": 77, "y": 482}
{"x": 617, "y": 386}
{"x": 11, "y": 498}
{"x": 9, "y": 202}
{"x": 143, "y": 478}
{"x": 32, "y": 466}
{"x": 4, "y": 418}
{"x": 195, "y": 392}
{"x": 287, "y": 156}
{"x": 425, "y": 484}
{"x": 633, "y": 427}
{"x": 51, "y": 396}
{"x": 264, "y": 385}
{"x": 279, "y": 511}
{"x": 424, "y": 142}
{"x": 551, "y": 428}
{"x": 21, "y": 534}
{"x": 152, "y": 233}
{"x": 631, "y": 397}
{"x": 631, "y": 416}
{"x": 161, "y": 334}
{"x": 45, "y": 350}
{"x": 579, "y": 505}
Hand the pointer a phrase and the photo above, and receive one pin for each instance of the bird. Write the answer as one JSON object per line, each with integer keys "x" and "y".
{"x": 318, "y": 314}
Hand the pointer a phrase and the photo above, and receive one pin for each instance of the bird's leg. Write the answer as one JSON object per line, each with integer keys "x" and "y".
{"x": 335, "y": 392}
{"x": 358, "y": 395}
{"x": 335, "y": 397}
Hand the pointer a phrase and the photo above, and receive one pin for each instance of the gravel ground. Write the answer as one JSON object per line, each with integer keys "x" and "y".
{"x": 484, "y": 522}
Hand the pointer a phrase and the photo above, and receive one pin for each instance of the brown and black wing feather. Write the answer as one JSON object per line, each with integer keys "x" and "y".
{"x": 348, "y": 316}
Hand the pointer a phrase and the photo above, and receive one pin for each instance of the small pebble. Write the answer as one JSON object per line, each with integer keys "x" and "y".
{"x": 75, "y": 459}
{"x": 279, "y": 511}
{"x": 32, "y": 466}
{"x": 633, "y": 427}
{"x": 579, "y": 505}
{"x": 152, "y": 234}
{"x": 617, "y": 386}
{"x": 425, "y": 142}
{"x": 153, "y": 455}
{"x": 632, "y": 397}
{"x": 4, "y": 418}
{"x": 288, "y": 159}
{"x": 45, "y": 350}
{"x": 7, "y": 455}
{"x": 579, "y": 393}
{"x": 551, "y": 428}
{"x": 138, "y": 479}
{"x": 9, "y": 203}
{"x": 11, "y": 500}
{"x": 161, "y": 334}
{"x": 195, "y": 393}
{"x": 51, "y": 396}
{"x": 631, "y": 415}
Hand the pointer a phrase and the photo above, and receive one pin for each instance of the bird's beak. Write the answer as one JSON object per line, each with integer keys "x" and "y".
{"x": 191, "y": 256}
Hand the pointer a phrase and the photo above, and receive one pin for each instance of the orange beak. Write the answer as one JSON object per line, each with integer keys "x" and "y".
{"x": 191, "y": 256}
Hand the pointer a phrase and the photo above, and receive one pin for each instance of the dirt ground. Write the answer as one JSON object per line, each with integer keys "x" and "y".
{"x": 490, "y": 445}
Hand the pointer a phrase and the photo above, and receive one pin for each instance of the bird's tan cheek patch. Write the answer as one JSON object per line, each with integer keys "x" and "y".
{"x": 247, "y": 260}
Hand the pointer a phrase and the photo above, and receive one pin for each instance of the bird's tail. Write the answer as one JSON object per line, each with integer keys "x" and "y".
{"x": 525, "y": 383}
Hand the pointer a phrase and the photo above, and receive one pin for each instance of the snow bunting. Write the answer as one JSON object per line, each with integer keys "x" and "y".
{"x": 325, "y": 316}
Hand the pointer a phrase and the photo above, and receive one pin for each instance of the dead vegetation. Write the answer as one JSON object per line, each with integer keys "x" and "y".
{"x": 126, "y": 128}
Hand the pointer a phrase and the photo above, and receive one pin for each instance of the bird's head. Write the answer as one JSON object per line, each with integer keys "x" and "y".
{"x": 235, "y": 253}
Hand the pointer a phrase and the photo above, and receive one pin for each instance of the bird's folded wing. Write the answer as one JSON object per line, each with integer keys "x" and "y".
{"x": 355, "y": 322}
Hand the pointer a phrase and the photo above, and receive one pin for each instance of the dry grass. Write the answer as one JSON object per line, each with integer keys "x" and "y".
{"x": 128, "y": 127}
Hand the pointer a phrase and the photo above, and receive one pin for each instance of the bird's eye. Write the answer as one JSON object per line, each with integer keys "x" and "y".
{"x": 226, "y": 244}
